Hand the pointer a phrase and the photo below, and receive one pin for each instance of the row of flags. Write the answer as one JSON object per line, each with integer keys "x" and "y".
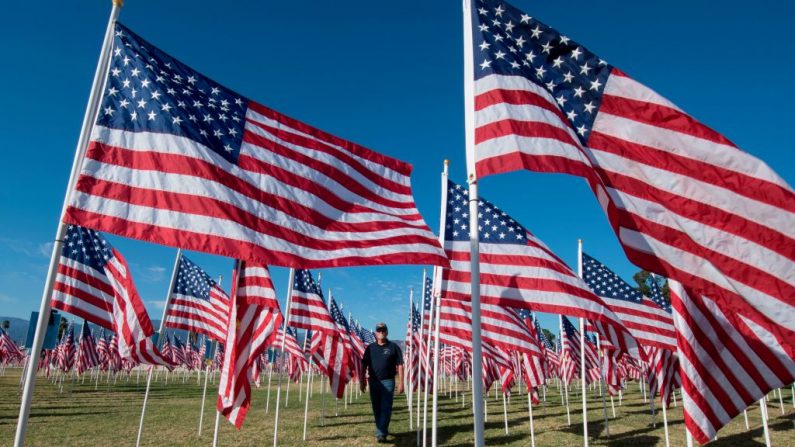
{"x": 175, "y": 158}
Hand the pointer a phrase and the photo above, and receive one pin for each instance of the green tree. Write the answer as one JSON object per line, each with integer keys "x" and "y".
{"x": 549, "y": 335}
{"x": 6, "y": 325}
{"x": 62, "y": 327}
{"x": 645, "y": 279}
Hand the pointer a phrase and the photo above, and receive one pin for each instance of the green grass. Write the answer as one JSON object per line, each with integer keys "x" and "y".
{"x": 81, "y": 416}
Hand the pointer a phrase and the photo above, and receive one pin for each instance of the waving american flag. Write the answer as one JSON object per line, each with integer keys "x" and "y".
{"x": 176, "y": 158}
{"x": 197, "y": 302}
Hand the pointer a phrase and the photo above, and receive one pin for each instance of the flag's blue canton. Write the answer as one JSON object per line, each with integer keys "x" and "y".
{"x": 304, "y": 283}
{"x": 605, "y": 283}
{"x": 192, "y": 280}
{"x": 657, "y": 296}
{"x": 336, "y": 314}
{"x": 509, "y": 42}
{"x": 178, "y": 343}
{"x": 85, "y": 331}
{"x": 496, "y": 227}
{"x": 367, "y": 336}
{"x": 291, "y": 331}
{"x": 427, "y": 300}
{"x": 569, "y": 328}
{"x": 149, "y": 91}
{"x": 415, "y": 319}
{"x": 87, "y": 247}
{"x": 544, "y": 339}
{"x": 524, "y": 313}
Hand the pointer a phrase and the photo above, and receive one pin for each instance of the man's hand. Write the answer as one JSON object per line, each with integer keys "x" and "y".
{"x": 362, "y": 386}
{"x": 400, "y": 388}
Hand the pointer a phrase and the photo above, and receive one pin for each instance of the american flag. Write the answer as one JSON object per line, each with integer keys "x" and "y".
{"x": 517, "y": 269}
{"x": 94, "y": 282}
{"x": 533, "y": 366}
{"x": 340, "y": 372}
{"x": 663, "y": 373}
{"x": 722, "y": 370}
{"x": 114, "y": 357}
{"x": 256, "y": 318}
{"x": 683, "y": 200}
{"x": 570, "y": 354}
{"x": 297, "y": 362}
{"x": 647, "y": 318}
{"x": 197, "y": 303}
{"x": 177, "y": 159}
{"x": 500, "y": 327}
{"x": 9, "y": 351}
{"x": 551, "y": 355}
{"x": 414, "y": 361}
{"x": 167, "y": 348}
{"x": 67, "y": 350}
{"x": 87, "y": 357}
{"x": 307, "y": 306}
{"x": 178, "y": 352}
{"x": 103, "y": 355}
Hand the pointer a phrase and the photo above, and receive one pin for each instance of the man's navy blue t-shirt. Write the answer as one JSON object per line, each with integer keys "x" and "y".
{"x": 382, "y": 361}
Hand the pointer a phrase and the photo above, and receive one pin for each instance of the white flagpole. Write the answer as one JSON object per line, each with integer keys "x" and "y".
{"x": 603, "y": 383}
{"x": 665, "y": 422}
{"x": 291, "y": 278}
{"x": 423, "y": 355}
{"x": 530, "y": 411}
{"x": 469, "y": 138}
{"x": 159, "y": 336}
{"x": 435, "y": 369}
{"x": 582, "y": 357}
{"x": 433, "y": 320}
{"x": 763, "y": 410}
{"x": 505, "y": 411}
{"x": 268, "y": 394}
{"x": 97, "y": 87}
{"x": 204, "y": 393}
{"x": 308, "y": 384}
{"x": 411, "y": 348}
{"x": 217, "y": 426}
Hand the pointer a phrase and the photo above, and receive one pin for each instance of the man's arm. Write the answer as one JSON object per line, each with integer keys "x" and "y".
{"x": 365, "y": 363}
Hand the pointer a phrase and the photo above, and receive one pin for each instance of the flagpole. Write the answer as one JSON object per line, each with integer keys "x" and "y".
{"x": 291, "y": 278}
{"x": 410, "y": 342}
{"x": 97, "y": 86}
{"x": 763, "y": 410}
{"x": 204, "y": 393}
{"x": 308, "y": 385}
{"x": 159, "y": 336}
{"x": 434, "y": 316}
{"x": 421, "y": 355}
{"x": 530, "y": 410}
{"x": 436, "y": 370}
{"x": 665, "y": 422}
{"x": 582, "y": 357}
{"x": 469, "y": 138}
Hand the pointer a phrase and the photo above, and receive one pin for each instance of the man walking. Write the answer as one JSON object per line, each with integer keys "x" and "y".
{"x": 383, "y": 361}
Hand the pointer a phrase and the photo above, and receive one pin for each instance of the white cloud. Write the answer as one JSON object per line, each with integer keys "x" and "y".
{"x": 27, "y": 248}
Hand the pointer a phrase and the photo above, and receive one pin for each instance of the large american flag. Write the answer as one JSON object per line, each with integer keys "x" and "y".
{"x": 86, "y": 350}
{"x": 517, "y": 269}
{"x": 177, "y": 159}
{"x": 95, "y": 283}
{"x": 255, "y": 318}
{"x": 647, "y": 318}
{"x": 683, "y": 200}
{"x": 722, "y": 370}
{"x": 197, "y": 302}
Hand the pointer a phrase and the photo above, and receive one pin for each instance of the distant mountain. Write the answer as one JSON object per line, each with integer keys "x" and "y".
{"x": 18, "y": 329}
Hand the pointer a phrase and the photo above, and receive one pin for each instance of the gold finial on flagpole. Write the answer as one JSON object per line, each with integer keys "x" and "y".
{"x": 118, "y": 3}
{"x": 446, "y": 162}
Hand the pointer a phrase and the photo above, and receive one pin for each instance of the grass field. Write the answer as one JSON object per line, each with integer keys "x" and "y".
{"x": 81, "y": 416}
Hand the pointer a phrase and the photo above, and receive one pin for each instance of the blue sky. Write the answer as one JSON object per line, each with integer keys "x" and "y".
{"x": 385, "y": 75}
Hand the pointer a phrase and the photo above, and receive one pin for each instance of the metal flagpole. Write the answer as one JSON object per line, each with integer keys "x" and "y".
{"x": 562, "y": 380}
{"x": 291, "y": 278}
{"x": 530, "y": 410}
{"x": 159, "y": 336}
{"x": 505, "y": 411}
{"x": 763, "y": 410}
{"x": 270, "y": 375}
{"x": 204, "y": 393}
{"x": 582, "y": 357}
{"x": 411, "y": 348}
{"x": 433, "y": 318}
{"x": 603, "y": 383}
{"x": 469, "y": 138}
{"x": 421, "y": 356}
{"x": 308, "y": 384}
{"x": 436, "y": 368}
{"x": 97, "y": 87}
{"x": 665, "y": 422}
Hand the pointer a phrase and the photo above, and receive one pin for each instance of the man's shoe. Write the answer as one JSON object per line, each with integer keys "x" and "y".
{"x": 380, "y": 438}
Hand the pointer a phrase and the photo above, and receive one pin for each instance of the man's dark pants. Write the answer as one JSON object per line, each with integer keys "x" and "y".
{"x": 381, "y": 394}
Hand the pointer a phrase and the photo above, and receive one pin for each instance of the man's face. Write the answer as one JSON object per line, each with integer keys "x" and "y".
{"x": 380, "y": 335}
